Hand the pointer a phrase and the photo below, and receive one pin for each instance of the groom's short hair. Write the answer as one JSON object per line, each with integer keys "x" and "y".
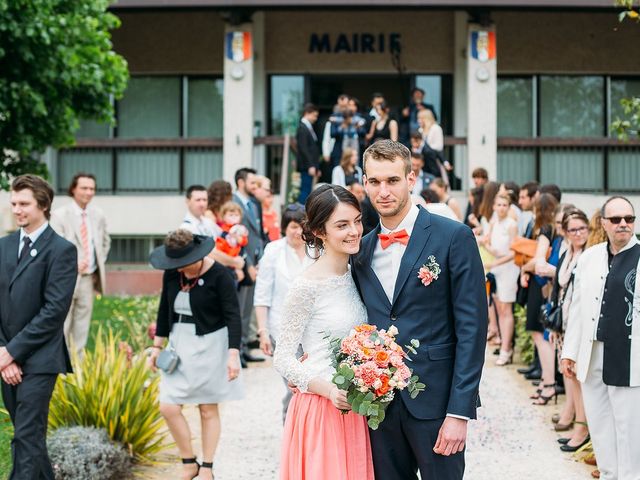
{"x": 390, "y": 151}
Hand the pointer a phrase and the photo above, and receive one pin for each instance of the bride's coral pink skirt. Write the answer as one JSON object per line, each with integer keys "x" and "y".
{"x": 320, "y": 443}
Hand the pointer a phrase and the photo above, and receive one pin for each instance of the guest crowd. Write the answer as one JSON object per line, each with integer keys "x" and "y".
{"x": 573, "y": 272}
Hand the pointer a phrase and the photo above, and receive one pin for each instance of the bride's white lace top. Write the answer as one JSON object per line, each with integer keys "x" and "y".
{"x": 312, "y": 309}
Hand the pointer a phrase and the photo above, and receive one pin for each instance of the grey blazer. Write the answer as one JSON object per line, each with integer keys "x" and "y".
{"x": 255, "y": 247}
{"x": 34, "y": 301}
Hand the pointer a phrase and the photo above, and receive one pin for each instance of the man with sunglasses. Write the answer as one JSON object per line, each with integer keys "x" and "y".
{"x": 602, "y": 342}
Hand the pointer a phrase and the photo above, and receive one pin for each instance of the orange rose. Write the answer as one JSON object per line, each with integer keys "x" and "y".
{"x": 366, "y": 352}
{"x": 381, "y": 358}
{"x": 365, "y": 328}
{"x": 385, "y": 386}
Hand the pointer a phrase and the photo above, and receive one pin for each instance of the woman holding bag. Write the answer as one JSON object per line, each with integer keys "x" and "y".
{"x": 199, "y": 314}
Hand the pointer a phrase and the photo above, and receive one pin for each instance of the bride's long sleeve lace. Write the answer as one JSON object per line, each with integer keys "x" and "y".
{"x": 298, "y": 310}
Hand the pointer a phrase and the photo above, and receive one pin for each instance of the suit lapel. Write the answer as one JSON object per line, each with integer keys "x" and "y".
{"x": 248, "y": 212}
{"x": 417, "y": 243}
{"x": 11, "y": 255}
{"x": 369, "y": 246}
{"x": 40, "y": 245}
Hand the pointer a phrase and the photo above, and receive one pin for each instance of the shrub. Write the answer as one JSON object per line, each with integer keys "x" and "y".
{"x": 79, "y": 453}
{"x": 128, "y": 317}
{"x": 114, "y": 390}
{"x": 524, "y": 343}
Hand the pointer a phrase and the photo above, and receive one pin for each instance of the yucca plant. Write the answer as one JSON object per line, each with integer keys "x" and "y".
{"x": 524, "y": 343}
{"x": 114, "y": 390}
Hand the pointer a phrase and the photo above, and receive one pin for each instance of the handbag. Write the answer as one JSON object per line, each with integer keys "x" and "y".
{"x": 524, "y": 250}
{"x": 551, "y": 313}
{"x": 167, "y": 360}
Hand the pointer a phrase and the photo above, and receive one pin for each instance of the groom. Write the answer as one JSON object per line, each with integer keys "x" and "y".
{"x": 422, "y": 273}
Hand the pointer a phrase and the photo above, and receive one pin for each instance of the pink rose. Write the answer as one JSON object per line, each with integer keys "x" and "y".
{"x": 425, "y": 276}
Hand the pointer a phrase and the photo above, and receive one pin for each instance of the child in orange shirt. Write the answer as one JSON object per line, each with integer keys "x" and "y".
{"x": 234, "y": 235}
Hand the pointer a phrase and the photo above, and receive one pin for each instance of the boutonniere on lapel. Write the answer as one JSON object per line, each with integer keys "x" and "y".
{"x": 429, "y": 271}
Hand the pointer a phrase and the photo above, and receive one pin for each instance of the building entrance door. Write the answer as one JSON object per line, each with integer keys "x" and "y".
{"x": 325, "y": 89}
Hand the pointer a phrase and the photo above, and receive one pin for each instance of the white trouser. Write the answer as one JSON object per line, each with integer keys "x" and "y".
{"x": 614, "y": 422}
{"x": 76, "y": 325}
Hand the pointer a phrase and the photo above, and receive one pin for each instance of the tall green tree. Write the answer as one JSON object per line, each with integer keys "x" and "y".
{"x": 57, "y": 65}
{"x": 630, "y": 125}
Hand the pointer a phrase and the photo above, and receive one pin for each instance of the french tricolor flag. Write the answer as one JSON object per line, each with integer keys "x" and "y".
{"x": 238, "y": 46}
{"x": 483, "y": 45}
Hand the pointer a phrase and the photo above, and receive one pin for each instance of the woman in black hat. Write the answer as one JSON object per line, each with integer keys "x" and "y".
{"x": 200, "y": 316}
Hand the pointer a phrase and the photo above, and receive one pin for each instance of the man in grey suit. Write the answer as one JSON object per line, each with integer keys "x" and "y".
{"x": 86, "y": 227}
{"x": 38, "y": 271}
{"x": 246, "y": 184}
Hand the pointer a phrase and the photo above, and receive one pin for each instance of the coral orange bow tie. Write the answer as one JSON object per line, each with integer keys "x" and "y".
{"x": 401, "y": 237}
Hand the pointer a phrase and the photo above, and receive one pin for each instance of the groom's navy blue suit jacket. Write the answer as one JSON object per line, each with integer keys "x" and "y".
{"x": 448, "y": 317}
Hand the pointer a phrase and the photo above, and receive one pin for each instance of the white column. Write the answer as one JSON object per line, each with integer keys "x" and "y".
{"x": 460, "y": 41}
{"x": 259, "y": 90}
{"x": 238, "y": 108}
{"x": 482, "y": 106}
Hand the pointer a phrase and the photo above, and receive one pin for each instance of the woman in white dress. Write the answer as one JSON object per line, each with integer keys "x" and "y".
{"x": 283, "y": 260}
{"x": 319, "y": 441}
{"x": 502, "y": 231}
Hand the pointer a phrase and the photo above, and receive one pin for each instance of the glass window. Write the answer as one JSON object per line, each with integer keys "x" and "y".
{"x": 144, "y": 170}
{"x": 572, "y": 169}
{"x": 432, "y": 86}
{"x": 287, "y": 100}
{"x": 97, "y": 162}
{"x": 622, "y": 88}
{"x": 515, "y": 107}
{"x": 205, "y": 107}
{"x": 516, "y": 165}
{"x": 202, "y": 166}
{"x": 571, "y": 106}
{"x": 150, "y": 108}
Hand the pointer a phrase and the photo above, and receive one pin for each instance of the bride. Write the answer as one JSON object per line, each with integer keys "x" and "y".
{"x": 320, "y": 442}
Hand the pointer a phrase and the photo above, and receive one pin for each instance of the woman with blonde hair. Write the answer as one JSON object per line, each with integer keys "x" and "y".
{"x": 596, "y": 232}
{"x": 433, "y": 145}
{"x": 348, "y": 172}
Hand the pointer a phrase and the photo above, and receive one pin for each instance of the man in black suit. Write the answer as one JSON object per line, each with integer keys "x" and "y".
{"x": 308, "y": 160}
{"x": 38, "y": 271}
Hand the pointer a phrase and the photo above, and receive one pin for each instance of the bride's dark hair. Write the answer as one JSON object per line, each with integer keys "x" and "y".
{"x": 319, "y": 206}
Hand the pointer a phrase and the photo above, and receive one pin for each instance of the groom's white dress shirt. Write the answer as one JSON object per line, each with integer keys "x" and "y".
{"x": 386, "y": 262}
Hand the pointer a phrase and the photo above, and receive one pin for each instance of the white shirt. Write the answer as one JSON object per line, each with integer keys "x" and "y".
{"x": 199, "y": 226}
{"x": 443, "y": 210}
{"x": 386, "y": 263}
{"x": 92, "y": 249}
{"x": 33, "y": 236}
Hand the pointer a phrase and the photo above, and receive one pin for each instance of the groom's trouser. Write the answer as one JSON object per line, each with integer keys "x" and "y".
{"x": 402, "y": 445}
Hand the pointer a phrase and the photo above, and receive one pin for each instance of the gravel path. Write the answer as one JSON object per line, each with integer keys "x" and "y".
{"x": 511, "y": 439}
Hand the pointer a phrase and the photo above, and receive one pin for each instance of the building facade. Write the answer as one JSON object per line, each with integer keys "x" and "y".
{"x": 526, "y": 89}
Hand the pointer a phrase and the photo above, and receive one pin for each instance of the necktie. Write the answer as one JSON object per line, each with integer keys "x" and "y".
{"x": 26, "y": 245}
{"x": 401, "y": 237}
{"x": 84, "y": 237}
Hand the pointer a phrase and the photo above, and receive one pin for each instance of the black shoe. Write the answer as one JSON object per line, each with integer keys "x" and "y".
{"x": 528, "y": 369}
{"x": 190, "y": 461}
{"x": 563, "y": 440}
{"x": 253, "y": 344}
{"x": 534, "y": 375}
{"x": 250, "y": 358}
{"x": 568, "y": 448}
{"x": 535, "y": 383}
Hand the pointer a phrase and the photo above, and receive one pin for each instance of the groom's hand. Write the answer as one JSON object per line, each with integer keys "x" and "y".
{"x": 452, "y": 436}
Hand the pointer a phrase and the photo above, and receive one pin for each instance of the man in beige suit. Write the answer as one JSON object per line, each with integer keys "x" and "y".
{"x": 84, "y": 226}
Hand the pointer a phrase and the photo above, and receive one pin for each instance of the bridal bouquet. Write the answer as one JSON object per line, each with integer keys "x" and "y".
{"x": 370, "y": 367}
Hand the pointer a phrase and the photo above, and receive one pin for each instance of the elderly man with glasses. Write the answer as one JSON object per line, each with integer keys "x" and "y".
{"x": 602, "y": 344}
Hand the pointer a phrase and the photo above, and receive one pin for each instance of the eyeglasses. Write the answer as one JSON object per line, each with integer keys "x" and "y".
{"x": 576, "y": 231}
{"x": 616, "y": 220}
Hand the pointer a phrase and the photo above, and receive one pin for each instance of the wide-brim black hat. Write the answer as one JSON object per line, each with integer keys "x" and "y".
{"x": 165, "y": 258}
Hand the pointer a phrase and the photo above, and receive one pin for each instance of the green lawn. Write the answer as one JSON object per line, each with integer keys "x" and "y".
{"x": 127, "y": 317}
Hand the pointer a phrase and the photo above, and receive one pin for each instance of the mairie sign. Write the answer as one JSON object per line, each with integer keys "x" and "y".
{"x": 354, "y": 43}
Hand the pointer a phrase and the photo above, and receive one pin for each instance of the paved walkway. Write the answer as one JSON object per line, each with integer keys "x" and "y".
{"x": 511, "y": 439}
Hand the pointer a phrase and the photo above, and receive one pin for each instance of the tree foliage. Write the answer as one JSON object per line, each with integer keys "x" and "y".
{"x": 630, "y": 106}
{"x": 56, "y": 66}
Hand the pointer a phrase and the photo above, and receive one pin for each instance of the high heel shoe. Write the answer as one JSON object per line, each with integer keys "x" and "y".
{"x": 190, "y": 461}
{"x": 568, "y": 448}
{"x": 504, "y": 358}
{"x": 536, "y": 395}
{"x": 208, "y": 465}
{"x": 544, "y": 399}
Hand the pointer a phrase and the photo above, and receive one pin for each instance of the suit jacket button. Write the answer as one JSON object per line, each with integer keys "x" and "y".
{"x": 393, "y": 318}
